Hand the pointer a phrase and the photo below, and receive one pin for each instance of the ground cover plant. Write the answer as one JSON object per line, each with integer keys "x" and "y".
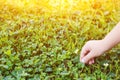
{"x": 42, "y": 39}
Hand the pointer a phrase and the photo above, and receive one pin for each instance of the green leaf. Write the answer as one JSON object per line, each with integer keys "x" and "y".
{"x": 4, "y": 66}
{"x": 64, "y": 73}
{"x": 49, "y": 69}
{"x": 8, "y": 52}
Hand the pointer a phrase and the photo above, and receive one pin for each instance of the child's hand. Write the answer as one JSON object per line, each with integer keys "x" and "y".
{"x": 91, "y": 50}
{"x": 96, "y": 48}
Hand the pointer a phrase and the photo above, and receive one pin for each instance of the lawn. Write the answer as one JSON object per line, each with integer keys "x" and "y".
{"x": 42, "y": 39}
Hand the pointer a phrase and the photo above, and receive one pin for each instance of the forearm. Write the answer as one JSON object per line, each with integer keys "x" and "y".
{"x": 113, "y": 38}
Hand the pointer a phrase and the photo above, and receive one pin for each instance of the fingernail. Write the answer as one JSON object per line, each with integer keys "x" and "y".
{"x": 83, "y": 61}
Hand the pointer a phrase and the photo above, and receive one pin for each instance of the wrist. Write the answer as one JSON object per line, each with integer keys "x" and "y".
{"x": 106, "y": 44}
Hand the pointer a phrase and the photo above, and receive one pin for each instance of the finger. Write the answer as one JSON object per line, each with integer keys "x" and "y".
{"x": 88, "y": 57}
{"x": 84, "y": 51}
{"x": 91, "y": 61}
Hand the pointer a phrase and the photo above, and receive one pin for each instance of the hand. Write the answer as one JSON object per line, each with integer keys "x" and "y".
{"x": 91, "y": 50}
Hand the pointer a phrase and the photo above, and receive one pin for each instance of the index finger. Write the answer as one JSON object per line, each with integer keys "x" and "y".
{"x": 84, "y": 51}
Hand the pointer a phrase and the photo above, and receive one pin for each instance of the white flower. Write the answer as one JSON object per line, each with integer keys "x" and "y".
{"x": 105, "y": 64}
{"x": 76, "y": 51}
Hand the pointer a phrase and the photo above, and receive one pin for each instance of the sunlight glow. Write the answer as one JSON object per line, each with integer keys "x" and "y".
{"x": 49, "y": 4}
{"x": 54, "y": 6}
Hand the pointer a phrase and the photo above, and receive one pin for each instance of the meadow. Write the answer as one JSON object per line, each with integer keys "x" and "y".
{"x": 42, "y": 39}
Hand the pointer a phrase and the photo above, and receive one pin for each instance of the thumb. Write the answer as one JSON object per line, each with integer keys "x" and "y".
{"x": 88, "y": 57}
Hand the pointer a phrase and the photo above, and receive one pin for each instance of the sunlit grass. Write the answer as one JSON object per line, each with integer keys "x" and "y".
{"x": 42, "y": 39}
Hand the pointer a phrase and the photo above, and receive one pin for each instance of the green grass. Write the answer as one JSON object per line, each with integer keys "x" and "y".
{"x": 46, "y": 46}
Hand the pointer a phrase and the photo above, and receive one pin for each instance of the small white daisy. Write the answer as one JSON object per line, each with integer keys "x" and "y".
{"x": 105, "y": 64}
{"x": 76, "y": 51}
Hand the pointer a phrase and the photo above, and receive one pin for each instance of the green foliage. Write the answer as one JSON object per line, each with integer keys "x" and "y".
{"x": 36, "y": 46}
